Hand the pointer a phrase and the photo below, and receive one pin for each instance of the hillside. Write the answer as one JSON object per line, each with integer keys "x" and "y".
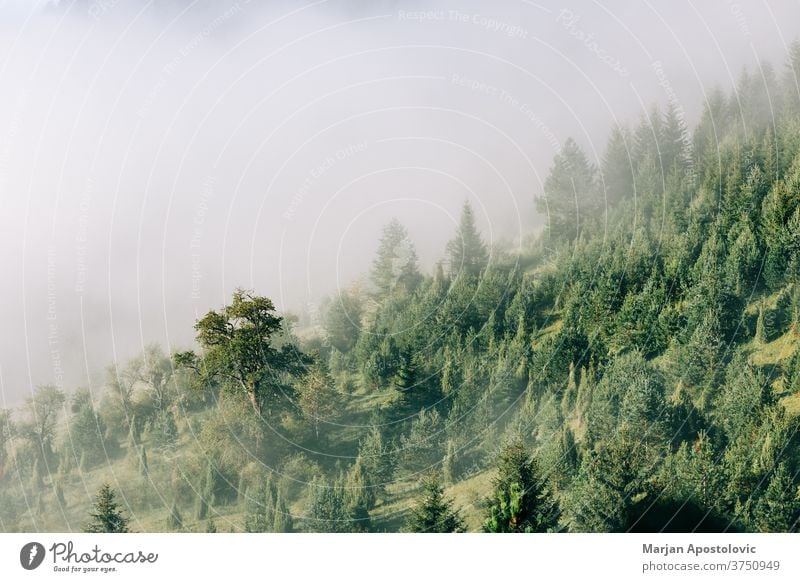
{"x": 642, "y": 351}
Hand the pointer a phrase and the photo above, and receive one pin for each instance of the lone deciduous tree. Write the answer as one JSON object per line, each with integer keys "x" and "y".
{"x": 241, "y": 347}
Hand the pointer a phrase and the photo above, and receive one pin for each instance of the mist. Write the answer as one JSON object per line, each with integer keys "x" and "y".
{"x": 156, "y": 156}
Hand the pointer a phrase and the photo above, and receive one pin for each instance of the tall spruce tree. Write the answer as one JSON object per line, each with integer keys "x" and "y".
{"x": 395, "y": 266}
{"x": 618, "y": 170}
{"x": 570, "y": 198}
{"x": 521, "y": 501}
{"x": 467, "y": 253}
{"x": 106, "y": 516}
{"x": 434, "y": 512}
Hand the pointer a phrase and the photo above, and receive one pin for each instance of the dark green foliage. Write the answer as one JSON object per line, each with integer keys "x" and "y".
{"x": 467, "y": 253}
{"x": 741, "y": 399}
{"x": 377, "y": 460}
{"x": 521, "y": 501}
{"x": 241, "y": 348}
{"x": 612, "y": 489}
{"x": 570, "y": 198}
{"x": 618, "y": 168}
{"x": 630, "y": 396}
{"x": 106, "y": 516}
{"x": 260, "y": 502}
{"x": 434, "y": 512}
{"x": 343, "y": 321}
{"x": 423, "y": 446}
{"x": 330, "y": 510}
{"x": 778, "y": 509}
{"x": 283, "y": 522}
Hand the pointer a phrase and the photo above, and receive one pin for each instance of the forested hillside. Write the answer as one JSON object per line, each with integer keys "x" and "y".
{"x": 634, "y": 368}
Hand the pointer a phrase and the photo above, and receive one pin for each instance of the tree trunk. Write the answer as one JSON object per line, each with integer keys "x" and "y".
{"x": 254, "y": 401}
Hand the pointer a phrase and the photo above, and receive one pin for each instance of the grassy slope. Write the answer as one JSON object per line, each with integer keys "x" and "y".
{"x": 123, "y": 474}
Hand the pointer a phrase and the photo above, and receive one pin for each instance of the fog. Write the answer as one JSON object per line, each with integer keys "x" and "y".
{"x": 156, "y": 155}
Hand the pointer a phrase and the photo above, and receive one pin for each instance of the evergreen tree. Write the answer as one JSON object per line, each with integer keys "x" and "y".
{"x": 318, "y": 395}
{"x": 395, "y": 267}
{"x": 646, "y": 139}
{"x": 342, "y": 321}
{"x": 86, "y": 430}
{"x": 328, "y": 509}
{"x": 570, "y": 198}
{"x": 778, "y": 509}
{"x": 671, "y": 139}
{"x": 201, "y": 507}
{"x": 449, "y": 464}
{"x": 467, "y": 253}
{"x": 261, "y": 507}
{"x": 617, "y": 169}
{"x": 283, "y": 519}
{"x": 521, "y": 502}
{"x": 174, "y": 518}
{"x": 106, "y": 516}
{"x": 377, "y": 460}
{"x": 434, "y": 512}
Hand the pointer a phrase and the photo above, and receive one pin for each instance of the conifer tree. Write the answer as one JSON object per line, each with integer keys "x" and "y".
{"x": 106, "y": 516}
{"x": 395, "y": 267}
{"x": 569, "y": 200}
{"x": 521, "y": 502}
{"x": 434, "y": 512}
{"x": 671, "y": 138}
{"x": 283, "y": 519}
{"x": 328, "y": 511}
{"x": 467, "y": 253}
{"x": 174, "y": 518}
{"x": 778, "y": 509}
{"x": 617, "y": 170}
{"x": 449, "y": 464}
{"x": 318, "y": 395}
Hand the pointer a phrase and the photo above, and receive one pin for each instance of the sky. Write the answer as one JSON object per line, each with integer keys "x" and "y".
{"x": 154, "y": 156}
